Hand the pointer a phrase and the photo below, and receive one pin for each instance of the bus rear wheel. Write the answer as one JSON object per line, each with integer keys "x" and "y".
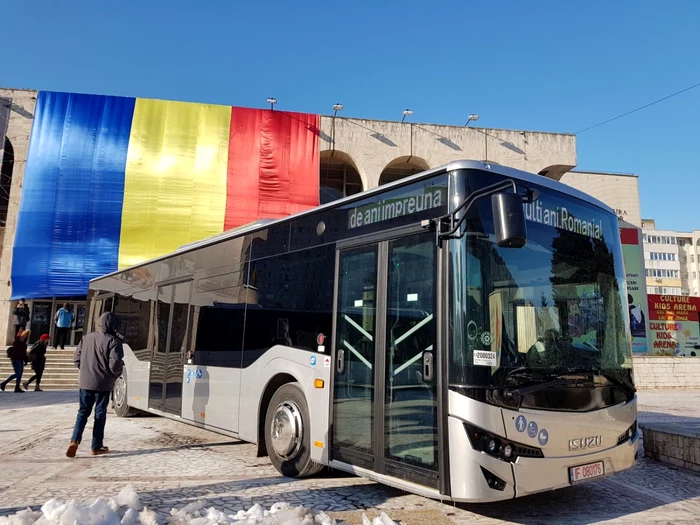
{"x": 119, "y": 398}
{"x": 287, "y": 438}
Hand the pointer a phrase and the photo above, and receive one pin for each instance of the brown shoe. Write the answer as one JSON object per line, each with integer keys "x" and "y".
{"x": 100, "y": 451}
{"x": 72, "y": 449}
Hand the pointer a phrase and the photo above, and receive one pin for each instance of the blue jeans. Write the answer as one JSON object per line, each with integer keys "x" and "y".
{"x": 100, "y": 400}
{"x": 18, "y": 367}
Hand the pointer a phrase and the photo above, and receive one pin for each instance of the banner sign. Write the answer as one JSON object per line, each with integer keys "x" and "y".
{"x": 636, "y": 288}
{"x": 674, "y": 324}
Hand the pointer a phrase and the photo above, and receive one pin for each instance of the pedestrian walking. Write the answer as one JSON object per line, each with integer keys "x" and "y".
{"x": 99, "y": 357}
{"x": 21, "y": 313}
{"x": 19, "y": 359}
{"x": 37, "y": 356}
{"x": 64, "y": 320}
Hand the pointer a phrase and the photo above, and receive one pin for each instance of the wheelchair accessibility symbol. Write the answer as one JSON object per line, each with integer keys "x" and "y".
{"x": 312, "y": 360}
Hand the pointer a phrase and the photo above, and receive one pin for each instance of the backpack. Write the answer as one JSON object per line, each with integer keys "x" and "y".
{"x": 31, "y": 355}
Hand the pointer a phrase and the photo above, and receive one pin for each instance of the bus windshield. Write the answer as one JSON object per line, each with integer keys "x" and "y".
{"x": 554, "y": 309}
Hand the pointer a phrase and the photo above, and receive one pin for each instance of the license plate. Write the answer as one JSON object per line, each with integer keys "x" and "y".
{"x": 584, "y": 472}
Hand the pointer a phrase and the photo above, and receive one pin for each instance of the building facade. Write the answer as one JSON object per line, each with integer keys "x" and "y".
{"x": 672, "y": 260}
{"x": 94, "y": 183}
{"x": 620, "y": 191}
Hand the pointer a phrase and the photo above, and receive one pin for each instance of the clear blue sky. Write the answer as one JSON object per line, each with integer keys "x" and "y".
{"x": 540, "y": 65}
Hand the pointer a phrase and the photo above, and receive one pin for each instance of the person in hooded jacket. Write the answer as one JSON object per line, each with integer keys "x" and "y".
{"x": 19, "y": 359}
{"x": 100, "y": 358}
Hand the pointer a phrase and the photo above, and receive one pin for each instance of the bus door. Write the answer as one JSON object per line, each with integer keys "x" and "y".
{"x": 385, "y": 395}
{"x": 168, "y": 355}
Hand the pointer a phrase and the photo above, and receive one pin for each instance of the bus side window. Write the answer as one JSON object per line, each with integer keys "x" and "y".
{"x": 217, "y": 319}
{"x": 294, "y": 301}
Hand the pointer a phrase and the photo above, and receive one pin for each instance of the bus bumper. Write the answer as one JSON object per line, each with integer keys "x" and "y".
{"x": 534, "y": 475}
{"x": 525, "y": 475}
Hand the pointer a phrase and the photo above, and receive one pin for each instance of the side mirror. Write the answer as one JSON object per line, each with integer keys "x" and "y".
{"x": 509, "y": 220}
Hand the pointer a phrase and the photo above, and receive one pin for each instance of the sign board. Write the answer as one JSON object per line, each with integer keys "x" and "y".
{"x": 674, "y": 324}
{"x": 633, "y": 258}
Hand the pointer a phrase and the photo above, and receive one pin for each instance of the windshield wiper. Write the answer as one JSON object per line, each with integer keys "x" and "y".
{"x": 619, "y": 380}
{"x": 513, "y": 393}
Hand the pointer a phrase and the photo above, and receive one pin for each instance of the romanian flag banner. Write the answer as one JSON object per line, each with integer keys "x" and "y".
{"x": 111, "y": 182}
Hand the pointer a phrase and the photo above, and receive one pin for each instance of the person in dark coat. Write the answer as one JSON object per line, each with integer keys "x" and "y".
{"x": 37, "y": 355}
{"x": 21, "y": 313}
{"x": 19, "y": 359}
{"x": 100, "y": 358}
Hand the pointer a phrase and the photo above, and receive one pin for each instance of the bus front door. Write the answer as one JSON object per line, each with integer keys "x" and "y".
{"x": 385, "y": 385}
{"x": 168, "y": 356}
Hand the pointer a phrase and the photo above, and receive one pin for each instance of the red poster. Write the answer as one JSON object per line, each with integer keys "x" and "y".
{"x": 673, "y": 324}
{"x": 673, "y": 308}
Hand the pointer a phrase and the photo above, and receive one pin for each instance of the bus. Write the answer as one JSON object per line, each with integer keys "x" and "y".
{"x": 462, "y": 334}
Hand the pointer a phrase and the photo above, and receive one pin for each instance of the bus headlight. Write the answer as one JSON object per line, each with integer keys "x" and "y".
{"x": 627, "y": 434}
{"x": 492, "y": 446}
{"x": 498, "y": 447}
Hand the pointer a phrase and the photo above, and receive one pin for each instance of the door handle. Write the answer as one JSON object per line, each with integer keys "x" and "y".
{"x": 427, "y": 367}
{"x": 340, "y": 361}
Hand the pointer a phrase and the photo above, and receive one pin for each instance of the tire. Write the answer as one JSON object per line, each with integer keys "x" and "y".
{"x": 119, "y": 397}
{"x": 287, "y": 436}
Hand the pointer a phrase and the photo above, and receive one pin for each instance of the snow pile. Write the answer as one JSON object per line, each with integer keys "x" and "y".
{"x": 125, "y": 509}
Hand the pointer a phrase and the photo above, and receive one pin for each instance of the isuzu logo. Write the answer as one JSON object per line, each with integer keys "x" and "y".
{"x": 585, "y": 443}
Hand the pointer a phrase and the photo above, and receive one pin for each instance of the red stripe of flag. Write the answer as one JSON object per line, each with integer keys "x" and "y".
{"x": 273, "y": 165}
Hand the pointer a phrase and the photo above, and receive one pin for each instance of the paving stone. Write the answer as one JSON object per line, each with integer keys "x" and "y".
{"x": 171, "y": 464}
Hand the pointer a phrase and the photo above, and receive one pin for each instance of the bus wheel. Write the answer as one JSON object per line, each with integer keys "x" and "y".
{"x": 287, "y": 433}
{"x": 119, "y": 398}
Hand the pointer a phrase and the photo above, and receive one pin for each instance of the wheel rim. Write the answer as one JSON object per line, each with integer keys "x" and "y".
{"x": 286, "y": 430}
{"x": 120, "y": 392}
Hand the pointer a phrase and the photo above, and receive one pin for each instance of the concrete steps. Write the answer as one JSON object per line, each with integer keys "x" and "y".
{"x": 60, "y": 372}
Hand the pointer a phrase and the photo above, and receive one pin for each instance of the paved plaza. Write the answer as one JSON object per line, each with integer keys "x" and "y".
{"x": 171, "y": 464}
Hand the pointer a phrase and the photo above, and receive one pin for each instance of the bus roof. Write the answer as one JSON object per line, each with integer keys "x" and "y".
{"x": 452, "y": 166}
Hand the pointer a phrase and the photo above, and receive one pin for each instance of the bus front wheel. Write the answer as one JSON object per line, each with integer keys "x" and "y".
{"x": 287, "y": 433}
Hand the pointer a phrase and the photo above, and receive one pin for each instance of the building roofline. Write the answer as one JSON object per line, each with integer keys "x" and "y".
{"x": 450, "y": 125}
{"x": 482, "y": 129}
{"x": 26, "y": 90}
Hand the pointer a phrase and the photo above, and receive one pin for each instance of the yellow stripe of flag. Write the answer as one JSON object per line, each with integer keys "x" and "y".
{"x": 175, "y": 187}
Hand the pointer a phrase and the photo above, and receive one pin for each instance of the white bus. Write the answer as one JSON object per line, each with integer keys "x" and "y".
{"x": 462, "y": 334}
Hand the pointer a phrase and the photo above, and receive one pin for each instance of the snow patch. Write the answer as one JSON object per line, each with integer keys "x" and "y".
{"x": 126, "y": 509}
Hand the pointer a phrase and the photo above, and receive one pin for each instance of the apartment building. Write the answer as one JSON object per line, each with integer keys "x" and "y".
{"x": 672, "y": 260}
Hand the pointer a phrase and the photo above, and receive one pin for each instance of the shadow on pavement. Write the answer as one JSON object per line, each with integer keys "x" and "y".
{"x": 142, "y": 452}
{"x": 645, "y": 416}
{"x": 10, "y": 400}
{"x": 236, "y": 495}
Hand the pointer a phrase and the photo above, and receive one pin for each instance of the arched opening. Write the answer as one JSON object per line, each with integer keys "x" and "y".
{"x": 339, "y": 176}
{"x": 8, "y": 162}
{"x": 401, "y": 168}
